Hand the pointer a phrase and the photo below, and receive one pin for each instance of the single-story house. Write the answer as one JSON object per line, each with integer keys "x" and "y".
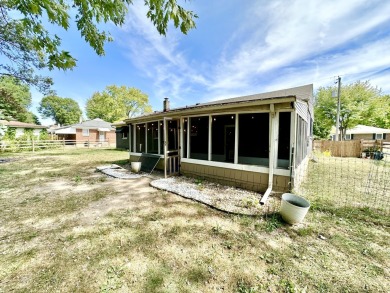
{"x": 93, "y": 131}
{"x": 364, "y": 132}
{"x": 122, "y": 135}
{"x": 21, "y": 127}
{"x": 257, "y": 142}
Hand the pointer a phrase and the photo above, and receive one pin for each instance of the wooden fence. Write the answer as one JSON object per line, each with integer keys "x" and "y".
{"x": 35, "y": 145}
{"x": 351, "y": 148}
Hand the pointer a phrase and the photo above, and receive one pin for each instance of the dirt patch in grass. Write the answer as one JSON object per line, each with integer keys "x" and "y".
{"x": 95, "y": 234}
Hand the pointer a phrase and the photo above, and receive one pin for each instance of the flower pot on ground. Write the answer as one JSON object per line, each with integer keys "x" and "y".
{"x": 293, "y": 208}
{"x": 135, "y": 167}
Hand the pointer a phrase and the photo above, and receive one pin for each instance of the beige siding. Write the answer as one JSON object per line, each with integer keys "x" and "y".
{"x": 242, "y": 179}
{"x": 362, "y": 136}
{"x": 368, "y": 136}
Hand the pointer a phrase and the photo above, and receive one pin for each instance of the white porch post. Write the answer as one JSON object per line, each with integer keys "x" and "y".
{"x": 188, "y": 136}
{"x": 236, "y": 141}
{"x": 129, "y": 136}
{"x": 210, "y": 136}
{"x": 181, "y": 135}
{"x": 159, "y": 136}
{"x": 134, "y": 140}
{"x": 273, "y": 139}
{"x": 165, "y": 147}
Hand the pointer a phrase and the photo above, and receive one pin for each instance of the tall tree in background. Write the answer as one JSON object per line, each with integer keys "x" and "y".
{"x": 116, "y": 103}
{"x": 381, "y": 118}
{"x": 27, "y": 45}
{"x": 62, "y": 110}
{"x": 360, "y": 102}
{"x": 15, "y": 100}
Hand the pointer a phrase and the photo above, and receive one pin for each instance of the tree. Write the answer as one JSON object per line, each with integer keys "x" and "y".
{"x": 28, "y": 45}
{"x": 358, "y": 105}
{"x": 381, "y": 117}
{"x": 116, "y": 103}
{"x": 61, "y": 110}
{"x": 15, "y": 100}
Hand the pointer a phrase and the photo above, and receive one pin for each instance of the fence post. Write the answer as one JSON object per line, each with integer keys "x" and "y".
{"x": 63, "y": 143}
{"x": 33, "y": 145}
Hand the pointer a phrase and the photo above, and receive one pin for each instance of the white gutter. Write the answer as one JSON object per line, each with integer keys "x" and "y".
{"x": 273, "y": 141}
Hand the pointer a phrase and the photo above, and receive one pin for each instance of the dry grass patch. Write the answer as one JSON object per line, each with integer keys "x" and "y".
{"x": 90, "y": 233}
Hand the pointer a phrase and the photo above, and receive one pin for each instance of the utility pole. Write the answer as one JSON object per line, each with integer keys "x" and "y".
{"x": 338, "y": 109}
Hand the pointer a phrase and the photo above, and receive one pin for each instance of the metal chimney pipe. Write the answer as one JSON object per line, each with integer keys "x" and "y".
{"x": 166, "y": 104}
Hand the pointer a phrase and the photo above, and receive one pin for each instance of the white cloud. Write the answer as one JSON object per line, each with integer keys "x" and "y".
{"x": 274, "y": 46}
{"x": 296, "y": 32}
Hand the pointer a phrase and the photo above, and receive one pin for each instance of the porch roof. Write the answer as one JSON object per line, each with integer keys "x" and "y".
{"x": 302, "y": 93}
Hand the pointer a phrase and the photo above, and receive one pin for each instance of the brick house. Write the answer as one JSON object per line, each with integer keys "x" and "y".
{"x": 93, "y": 131}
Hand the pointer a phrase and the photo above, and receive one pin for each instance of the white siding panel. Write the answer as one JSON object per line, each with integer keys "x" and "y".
{"x": 302, "y": 111}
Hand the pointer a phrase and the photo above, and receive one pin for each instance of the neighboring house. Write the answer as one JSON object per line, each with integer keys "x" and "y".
{"x": 249, "y": 142}
{"x": 96, "y": 130}
{"x": 122, "y": 135}
{"x": 20, "y": 127}
{"x": 364, "y": 132}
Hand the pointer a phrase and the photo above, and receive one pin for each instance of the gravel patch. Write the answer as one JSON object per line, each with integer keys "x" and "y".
{"x": 118, "y": 172}
{"x": 224, "y": 198}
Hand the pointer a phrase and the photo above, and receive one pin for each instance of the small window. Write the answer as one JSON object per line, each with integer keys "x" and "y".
{"x": 379, "y": 136}
{"x": 348, "y": 137}
{"x": 85, "y": 132}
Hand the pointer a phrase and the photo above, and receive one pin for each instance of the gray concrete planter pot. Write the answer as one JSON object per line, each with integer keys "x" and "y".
{"x": 293, "y": 208}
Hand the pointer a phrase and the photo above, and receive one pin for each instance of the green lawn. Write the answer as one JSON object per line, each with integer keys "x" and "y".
{"x": 66, "y": 228}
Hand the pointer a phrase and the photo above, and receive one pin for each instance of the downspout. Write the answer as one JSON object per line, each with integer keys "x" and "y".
{"x": 273, "y": 141}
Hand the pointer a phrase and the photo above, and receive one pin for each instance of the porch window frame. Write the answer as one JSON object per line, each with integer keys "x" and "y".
{"x": 235, "y": 164}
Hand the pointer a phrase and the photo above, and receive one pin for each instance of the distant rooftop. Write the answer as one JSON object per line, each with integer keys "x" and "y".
{"x": 90, "y": 124}
{"x": 367, "y": 130}
{"x": 18, "y": 124}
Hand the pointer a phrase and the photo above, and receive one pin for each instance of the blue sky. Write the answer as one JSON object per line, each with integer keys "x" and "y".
{"x": 238, "y": 48}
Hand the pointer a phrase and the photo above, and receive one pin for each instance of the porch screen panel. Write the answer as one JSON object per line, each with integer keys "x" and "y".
{"x": 152, "y": 137}
{"x": 140, "y": 138}
{"x": 284, "y": 140}
{"x": 161, "y": 134}
{"x": 223, "y": 136}
{"x": 173, "y": 135}
{"x": 199, "y": 138}
{"x": 301, "y": 141}
{"x": 253, "y": 139}
{"x": 184, "y": 146}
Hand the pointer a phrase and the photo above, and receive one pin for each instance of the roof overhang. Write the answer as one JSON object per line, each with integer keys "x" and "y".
{"x": 210, "y": 108}
{"x": 68, "y": 130}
